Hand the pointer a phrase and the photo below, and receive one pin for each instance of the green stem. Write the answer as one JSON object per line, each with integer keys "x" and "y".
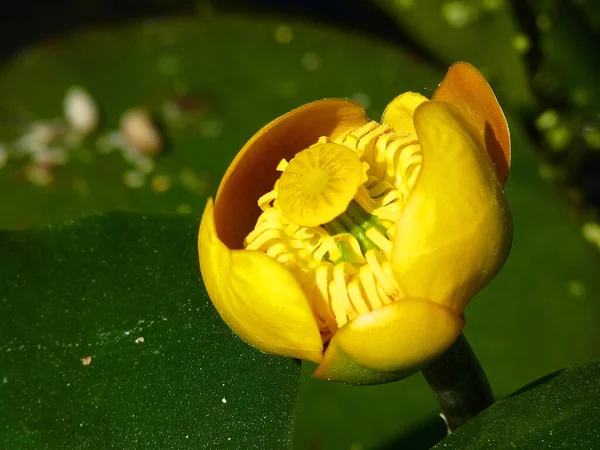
{"x": 459, "y": 383}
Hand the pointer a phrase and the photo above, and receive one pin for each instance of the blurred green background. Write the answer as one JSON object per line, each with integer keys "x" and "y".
{"x": 213, "y": 73}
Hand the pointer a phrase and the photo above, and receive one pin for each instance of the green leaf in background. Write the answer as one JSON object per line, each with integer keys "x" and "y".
{"x": 482, "y": 32}
{"x": 561, "y": 410}
{"x": 108, "y": 340}
{"x": 222, "y": 79}
{"x": 539, "y": 315}
{"x": 569, "y": 68}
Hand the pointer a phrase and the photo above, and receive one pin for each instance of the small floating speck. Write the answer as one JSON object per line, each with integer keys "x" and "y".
{"x": 363, "y": 99}
{"x": 168, "y": 64}
{"x": 4, "y": 380}
{"x": 139, "y": 340}
{"x": 283, "y": 34}
{"x": 3, "y": 155}
{"x": 548, "y": 172}
{"x": 581, "y": 96}
{"x": 547, "y": 120}
{"x": 224, "y": 400}
{"x": 287, "y": 89}
{"x": 87, "y": 360}
{"x": 310, "y": 61}
{"x": 459, "y": 14}
{"x": 184, "y": 209}
{"x": 81, "y": 186}
{"x": 191, "y": 181}
{"x": 161, "y": 183}
{"x": 39, "y": 175}
{"x": 558, "y": 138}
{"x": 591, "y": 232}
{"x": 576, "y": 288}
{"x": 591, "y": 136}
{"x": 134, "y": 179}
{"x": 405, "y": 4}
{"x": 181, "y": 87}
{"x": 543, "y": 22}
{"x": 492, "y": 5}
{"x": 212, "y": 128}
{"x": 521, "y": 43}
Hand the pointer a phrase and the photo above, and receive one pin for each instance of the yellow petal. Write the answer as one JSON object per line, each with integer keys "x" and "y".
{"x": 466, "y": 88}
{"x": 253, "y": 171}
{"x": 399, "y": 112}
{"x": 390, "y": 343}
{"x": 257, "y": 297}
{"x": 455, "y": 231}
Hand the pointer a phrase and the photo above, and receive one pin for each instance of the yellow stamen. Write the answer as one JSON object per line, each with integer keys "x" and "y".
{"x": 319, "y": 183}
{"x": 331, "y": 219}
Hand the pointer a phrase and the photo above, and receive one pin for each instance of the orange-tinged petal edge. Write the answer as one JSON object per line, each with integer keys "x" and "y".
{"x": 257, "y": 297}
{"x": 465, "y": 87}
{"x": 253, "y": 171}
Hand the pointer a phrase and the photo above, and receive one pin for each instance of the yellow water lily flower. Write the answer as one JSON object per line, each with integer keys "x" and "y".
{"x": 357, "y": 244}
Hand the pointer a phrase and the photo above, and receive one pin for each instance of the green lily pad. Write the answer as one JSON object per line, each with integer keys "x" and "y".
{"x": 560, "y": 410}
{"x": 108, "y": 340}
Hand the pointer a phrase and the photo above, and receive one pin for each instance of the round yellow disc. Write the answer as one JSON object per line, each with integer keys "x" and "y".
{"x": 319, "y": 183}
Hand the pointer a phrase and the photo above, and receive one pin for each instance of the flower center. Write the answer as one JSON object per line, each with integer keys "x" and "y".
{"x": 319, "y": 183}
{"x": 332, "y": 215}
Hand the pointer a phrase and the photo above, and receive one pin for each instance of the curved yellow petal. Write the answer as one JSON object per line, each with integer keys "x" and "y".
{"x": 253, "y": 171}
{"x": 390, "y": 343}
{"x": 466, "y": 88}
{"x": 257, "y": 297}
{"x": 399, "y": 112}
{"x": 455, "y": 230}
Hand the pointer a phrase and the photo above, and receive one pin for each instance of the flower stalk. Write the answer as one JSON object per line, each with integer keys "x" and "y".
{"x": 459, "y": 383}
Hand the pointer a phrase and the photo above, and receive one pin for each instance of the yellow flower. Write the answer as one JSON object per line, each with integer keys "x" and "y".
{"x": 357, "y": 244}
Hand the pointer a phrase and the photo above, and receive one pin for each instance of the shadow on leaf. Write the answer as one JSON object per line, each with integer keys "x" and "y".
{"x": 422, "y": 437}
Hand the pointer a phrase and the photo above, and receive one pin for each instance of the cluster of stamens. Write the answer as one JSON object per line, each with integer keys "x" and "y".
{"x": 331, "y": 218}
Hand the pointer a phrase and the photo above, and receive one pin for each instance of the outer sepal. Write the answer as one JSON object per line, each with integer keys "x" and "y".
{"x": 390, "y": 343}
{"x": 467, "y": 89}
{"x": 257, "y": 297}
{"x": 455, "y": 230}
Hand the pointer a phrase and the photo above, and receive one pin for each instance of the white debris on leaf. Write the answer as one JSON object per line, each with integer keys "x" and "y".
{"x": 81, "y": 111}
{"x": 139, "y": 131}
{"x": 39, "y": 137}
